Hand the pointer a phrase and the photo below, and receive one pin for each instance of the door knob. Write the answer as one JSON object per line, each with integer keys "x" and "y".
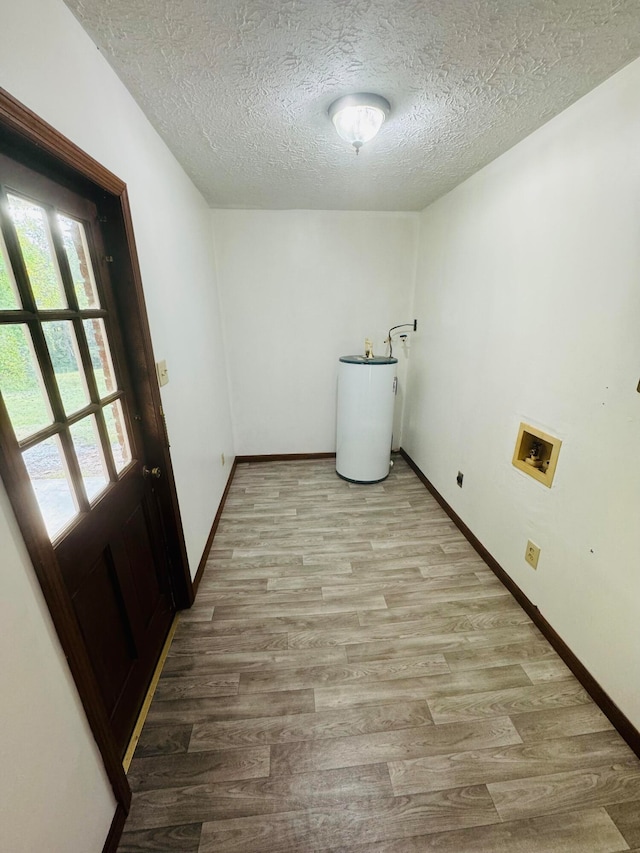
{"x": 156, "y": 473}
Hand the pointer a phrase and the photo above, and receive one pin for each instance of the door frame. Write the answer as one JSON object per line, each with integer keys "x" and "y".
{"x": 43, "y": 148}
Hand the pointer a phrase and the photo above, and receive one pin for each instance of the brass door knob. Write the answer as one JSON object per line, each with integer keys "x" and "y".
{"x": 156, "y": 473}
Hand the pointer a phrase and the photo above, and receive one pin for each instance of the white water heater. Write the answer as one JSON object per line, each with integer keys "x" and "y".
{"x": 366, "y": 400}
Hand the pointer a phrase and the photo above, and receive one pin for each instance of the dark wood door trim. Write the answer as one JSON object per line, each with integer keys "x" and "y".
{"x": 282, "y": 457}
{"x": 115, "y": 833}
{"x": 24, "y": 135}
{"x": 26, "y": 125}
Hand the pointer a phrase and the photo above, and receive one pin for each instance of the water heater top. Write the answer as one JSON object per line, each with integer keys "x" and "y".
{"x": 361, "y": 359}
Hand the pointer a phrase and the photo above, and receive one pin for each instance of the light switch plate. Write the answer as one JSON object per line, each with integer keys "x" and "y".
{"x": 163, "y": 372}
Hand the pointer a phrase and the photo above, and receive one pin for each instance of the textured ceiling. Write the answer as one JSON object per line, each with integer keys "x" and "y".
{"x": 239, "y": 89}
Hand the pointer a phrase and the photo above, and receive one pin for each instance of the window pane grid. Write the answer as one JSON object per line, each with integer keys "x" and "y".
{"x": 74, "y": 469}
{"x": 62, "y": 254}
{"x": 118, "y": 435}
{"x": 55, "y": 427}
{"x": 90, "y": 456}
{"x": 64, "y": 353}
{"x": 35, "y": 232}
{"x": 50, "y": 479}
{"x": 85, "y": 358}
{"x": 78, "y": 258}
{"x": 20, "y": 315}
{"x": 104, "y": 440}
{"x": 116, "y": 452}
{"x": 56, "y": 297}
{"x": 14, "y": 254}
{"x": 48, "y": 374}
{"x": 9, "y": 294}
{"x": 22, "y": 383}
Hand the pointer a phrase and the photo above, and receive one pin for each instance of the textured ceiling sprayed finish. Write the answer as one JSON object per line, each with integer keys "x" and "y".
{"x": 239, "y": 89}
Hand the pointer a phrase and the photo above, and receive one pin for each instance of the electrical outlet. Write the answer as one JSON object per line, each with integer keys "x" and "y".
{"x": 532, "y": 554}
{"x": 460, "y": 478}
{"x": 222, "y": 458}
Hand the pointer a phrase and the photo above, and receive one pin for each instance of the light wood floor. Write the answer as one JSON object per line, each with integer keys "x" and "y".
{"x": 354, "y": 678}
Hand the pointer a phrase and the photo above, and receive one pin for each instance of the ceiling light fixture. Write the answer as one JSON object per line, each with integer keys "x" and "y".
{"x": 358, "y": 118}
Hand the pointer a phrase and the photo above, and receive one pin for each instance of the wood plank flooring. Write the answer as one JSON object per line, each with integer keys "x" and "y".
{"x": 353, "y": 678}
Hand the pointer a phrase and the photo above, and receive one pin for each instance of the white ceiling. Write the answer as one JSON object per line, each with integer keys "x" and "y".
{"x": 239, "y": 89}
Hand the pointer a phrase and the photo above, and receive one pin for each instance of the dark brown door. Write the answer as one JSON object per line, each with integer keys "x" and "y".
{"x": 70, "y": 419}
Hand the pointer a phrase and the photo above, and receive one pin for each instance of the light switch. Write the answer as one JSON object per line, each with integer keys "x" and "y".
{"x": 163, "y": 372}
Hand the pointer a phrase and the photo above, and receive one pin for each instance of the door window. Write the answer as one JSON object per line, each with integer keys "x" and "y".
{"x": 58, "y": 384}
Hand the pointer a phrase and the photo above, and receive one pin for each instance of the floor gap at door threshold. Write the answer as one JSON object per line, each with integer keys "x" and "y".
{"x": 144, "y": 710}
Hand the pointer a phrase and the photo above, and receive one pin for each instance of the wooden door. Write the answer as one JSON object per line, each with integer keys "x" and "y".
{"x": 70, "y": 421}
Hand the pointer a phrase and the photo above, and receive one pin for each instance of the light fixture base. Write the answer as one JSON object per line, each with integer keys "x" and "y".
{"x": 362, "y": 99}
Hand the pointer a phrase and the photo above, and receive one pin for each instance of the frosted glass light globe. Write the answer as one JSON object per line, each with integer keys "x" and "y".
{"x": 358, "y": 118}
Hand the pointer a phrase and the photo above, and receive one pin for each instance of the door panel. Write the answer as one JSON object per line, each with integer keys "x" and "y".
{"x": 127, "y": 578}
{"x": 70, "y": 419}
{"x": 99, "y": 606}
{"x": 140, "y": 551}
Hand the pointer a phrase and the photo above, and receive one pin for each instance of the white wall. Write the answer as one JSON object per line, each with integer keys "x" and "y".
{"x": 53, "y": 786}
{"x": 528, "y": 290}
{"x": 299, "y": 289}
{"x": 54, "y": 792}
